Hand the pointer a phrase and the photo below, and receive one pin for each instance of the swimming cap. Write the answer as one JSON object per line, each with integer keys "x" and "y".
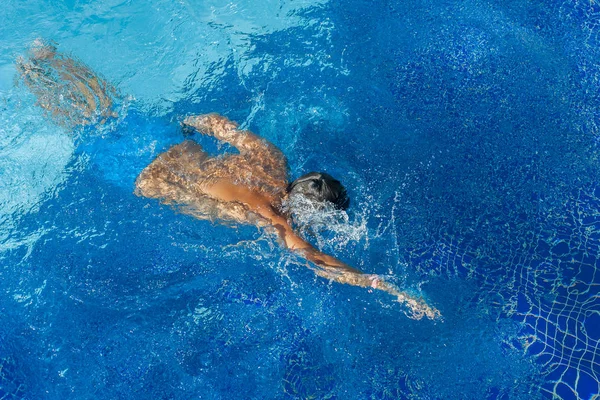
{"x": 320, "y": 187}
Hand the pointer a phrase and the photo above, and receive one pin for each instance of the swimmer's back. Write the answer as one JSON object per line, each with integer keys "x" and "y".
{"x": 182, "y": 176}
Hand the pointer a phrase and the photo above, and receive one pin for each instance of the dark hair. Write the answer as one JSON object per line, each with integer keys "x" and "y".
{"x": 321, "y": 187}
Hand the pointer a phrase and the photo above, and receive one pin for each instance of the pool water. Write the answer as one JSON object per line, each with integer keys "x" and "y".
{"x": 465, "y": 132}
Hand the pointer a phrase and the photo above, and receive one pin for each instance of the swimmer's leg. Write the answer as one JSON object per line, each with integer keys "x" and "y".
{"x": 66, "y": 88}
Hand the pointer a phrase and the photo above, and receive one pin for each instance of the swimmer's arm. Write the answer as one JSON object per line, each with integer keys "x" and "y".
{"x": 327, "y": 266}
{"x": 331, "y": 268}
{"x": 229, "y": 192}
{"x": 227, "y": 131}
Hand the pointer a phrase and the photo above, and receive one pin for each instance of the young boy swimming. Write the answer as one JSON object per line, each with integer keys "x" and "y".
{"x": 247, "y": 188}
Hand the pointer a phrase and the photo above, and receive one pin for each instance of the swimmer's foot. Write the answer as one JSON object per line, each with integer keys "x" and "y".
{"x": 67, "y": 89}
{"x": 40, "y": 50}
{"x": 30, "y": 67}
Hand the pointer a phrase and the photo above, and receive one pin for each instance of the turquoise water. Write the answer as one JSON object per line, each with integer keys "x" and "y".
{"x": 466, "y": 134}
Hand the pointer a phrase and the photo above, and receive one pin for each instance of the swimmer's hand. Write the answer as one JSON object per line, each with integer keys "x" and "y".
{"x": 417, "y": 307}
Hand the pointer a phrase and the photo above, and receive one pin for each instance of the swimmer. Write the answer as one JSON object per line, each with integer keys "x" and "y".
{"x": 246, "y": 188}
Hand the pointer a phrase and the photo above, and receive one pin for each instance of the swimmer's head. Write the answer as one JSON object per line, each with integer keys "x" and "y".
{"x": 320, "y": 188}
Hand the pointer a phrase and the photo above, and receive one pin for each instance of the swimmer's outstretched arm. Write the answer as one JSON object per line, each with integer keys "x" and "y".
{"x": 69, "y": 90}
{"x": 327, "y": 266}
{"x": 333, "y": 269}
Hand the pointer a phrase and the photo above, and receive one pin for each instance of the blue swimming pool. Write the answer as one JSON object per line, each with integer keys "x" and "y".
{"x": 465, "y": 132}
